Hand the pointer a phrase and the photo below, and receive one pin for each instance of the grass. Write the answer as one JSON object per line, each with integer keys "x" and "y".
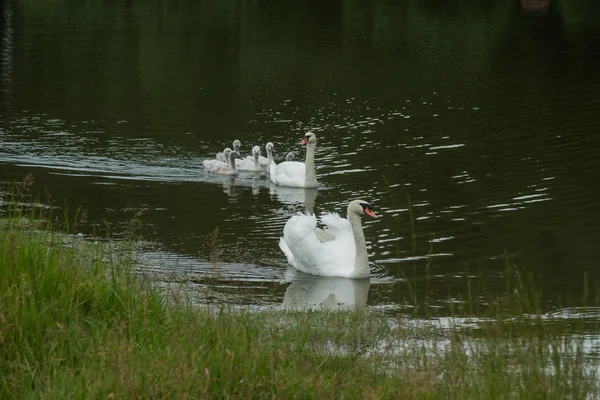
{"x": 75, "y": 322}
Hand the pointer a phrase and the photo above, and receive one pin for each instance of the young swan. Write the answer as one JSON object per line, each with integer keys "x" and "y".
{"x": 270, "y": 160}
{"x": 236, "y": 146}
{"x": 337, "y": 250}
{"x": 263, "y": 161}
{"x": 210, "y": 163}
{"x": 250, "y": 164}
{"x": 290, "y": 157}
{"x": 294, "y": 173}
{"x": 226, "y": 169}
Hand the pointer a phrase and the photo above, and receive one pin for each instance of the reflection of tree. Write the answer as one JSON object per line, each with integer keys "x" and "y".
{"x": 7, "y": 49}
{"x": 188, "y": 63}
{"x": 535, "y": 5}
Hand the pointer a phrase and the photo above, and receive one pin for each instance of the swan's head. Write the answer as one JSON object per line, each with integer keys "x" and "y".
{"x": 236, "y": 145}
{"x": 233, "y": 155}
{"x": 361, "y": 207}
{"x": 256, "y": 151}
{"x": 269, "y": 146}
{"x": 290, "y": 157}
{"x": 226, "y": 152}
{"x": 309, "y": 138}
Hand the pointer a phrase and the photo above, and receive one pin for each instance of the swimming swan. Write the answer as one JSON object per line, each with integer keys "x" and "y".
{"x": 294, "y": 173}
{"x": 251, "y": 164}
{"x": 263, "y": 161}
{"x": 236, "y": 146}
{"x": 226, "y": 169}
{"x": 209, "y": 163}
{"x": 337, "y": 250}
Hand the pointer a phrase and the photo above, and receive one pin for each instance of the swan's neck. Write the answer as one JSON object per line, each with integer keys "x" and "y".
{"x": 232, "y": 163}
{"x": 310, "y": 178}
{"x": 256, "y": 162}
{"x": 270, "y": 156}
{"x": 361, "y": 262}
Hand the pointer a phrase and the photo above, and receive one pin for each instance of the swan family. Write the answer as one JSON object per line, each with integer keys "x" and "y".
{"x": 290, "y": 173}
{"x": 339, "y": 248}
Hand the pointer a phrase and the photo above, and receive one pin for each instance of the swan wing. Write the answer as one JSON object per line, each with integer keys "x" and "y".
{"x": 324, "y": 235}
{"x": 263, "y": 161}
{"x": 222, "y": 169}
{"x": 335, "y": 223}
{"x": 306, "y": 252}
{"x": 208, "y": 164}
{"x": 289, "y": 173}
{"x": 340, "y": 247}
{"x": 299, "y": 242}
{"x": 247, "y": 164}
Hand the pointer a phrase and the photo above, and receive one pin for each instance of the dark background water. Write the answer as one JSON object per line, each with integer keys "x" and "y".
{"x": 480, "y": 117}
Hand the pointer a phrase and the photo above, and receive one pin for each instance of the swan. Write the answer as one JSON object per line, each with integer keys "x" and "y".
{"x": 294, "y": 173}
{"x": 226, "y": 169}
{"x": 222, "y": 157}
{"x": 252, "y": 164}
{"x": 337, "y": 250}
{"x": 269, "y": 147}
{"x": 209, "y": 163}
{"x": 263, "y": 161}
{"x": 290, "y": 157}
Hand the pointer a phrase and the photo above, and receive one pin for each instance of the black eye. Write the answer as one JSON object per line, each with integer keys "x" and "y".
{"x": 366, "y": 206}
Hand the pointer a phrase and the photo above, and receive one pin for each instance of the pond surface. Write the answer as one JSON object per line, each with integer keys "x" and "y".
{"x": 472, "y": 127}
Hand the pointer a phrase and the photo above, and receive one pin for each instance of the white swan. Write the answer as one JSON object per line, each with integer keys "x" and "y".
{"x": 290, "y": 157}
{"x": 226, "y": 169}
{"x": 294, "y": 173}
{"x": 263, "y": 161}
{"x": 222, "y": 157}
{"x": 338, "y": 250}
{"x": 252, "y": 164}
{"x": 209, "y": 163}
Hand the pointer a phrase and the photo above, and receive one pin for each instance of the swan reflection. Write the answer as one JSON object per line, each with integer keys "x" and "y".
{"x": 290, "y": 195}
{"x": 310, "y": 291}
{"x": 230, "y": 188}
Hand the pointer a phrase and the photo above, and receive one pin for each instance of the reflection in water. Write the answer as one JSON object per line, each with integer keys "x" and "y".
{"x": 7, "y": 51}
{"x": 310, "y": 291}
{"x": 535, "y": 5}
{"x": 229, "y": 187}
{"x": 290, "y": 195}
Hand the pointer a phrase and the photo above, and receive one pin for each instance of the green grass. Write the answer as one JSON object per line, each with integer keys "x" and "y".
{"x": 75, "y": 322}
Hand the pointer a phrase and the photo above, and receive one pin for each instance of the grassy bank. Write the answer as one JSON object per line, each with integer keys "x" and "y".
{"x": 75, "y": 323}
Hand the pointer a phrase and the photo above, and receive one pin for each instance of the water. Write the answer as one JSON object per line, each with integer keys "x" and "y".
{"x": 477, "y": 121}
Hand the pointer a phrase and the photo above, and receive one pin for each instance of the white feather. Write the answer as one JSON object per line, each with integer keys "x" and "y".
{"x": 339, "y": 249}
{"x": 334, "y": 256}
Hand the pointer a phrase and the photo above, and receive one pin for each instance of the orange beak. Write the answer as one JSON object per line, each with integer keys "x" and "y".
{"x": 371, "y": 214}
{"x": 304, "y": 141}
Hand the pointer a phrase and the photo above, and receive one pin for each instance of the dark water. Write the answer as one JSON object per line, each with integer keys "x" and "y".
{"x": 482, "y": 118}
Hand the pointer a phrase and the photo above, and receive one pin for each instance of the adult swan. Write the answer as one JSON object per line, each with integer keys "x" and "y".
{"x": 337, "y": 250}
{"x": 294, "y": 173}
